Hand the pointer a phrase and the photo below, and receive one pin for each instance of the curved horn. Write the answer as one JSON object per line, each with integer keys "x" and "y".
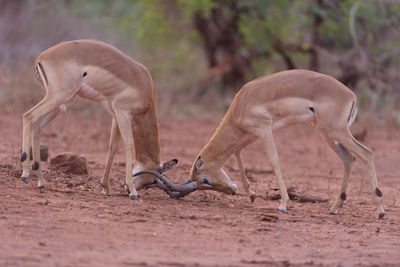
{"x": 183, "y": 189}
{"x": 161, "y": 185}
{"x": 173, "y": 194}
{"x": 188, "y": 181}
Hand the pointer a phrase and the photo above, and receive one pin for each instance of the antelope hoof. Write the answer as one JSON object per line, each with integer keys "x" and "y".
{"x": 42, "y": 187}
{"x": 334, "y": 210}
{"x": 282, "y": 207}
{"x": 252, "y": 197}
{"x": 105, "y": 191}
{"x": 24, "y": 179}
{"x": 133, "y": 197}
{"x": 380, "y": 216}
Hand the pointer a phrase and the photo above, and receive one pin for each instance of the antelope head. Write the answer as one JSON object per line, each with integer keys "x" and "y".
{"x": 209, "y": 177}
{"x": 201, "y": 178}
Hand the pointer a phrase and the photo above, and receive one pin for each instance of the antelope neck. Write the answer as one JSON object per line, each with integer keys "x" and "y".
{"x": 147, "y": 142}
{"x": 226, "y": 140}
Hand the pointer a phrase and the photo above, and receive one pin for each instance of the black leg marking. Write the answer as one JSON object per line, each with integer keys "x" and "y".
{"x": 84, "y": 74}
{"x": 127, "y": 189}
{"x": 380, "y": 216}
{"x": 24, "y": 179}
{"x": 378, "y": 192}
{"x": 311, "y": 109}
{"x": 24, "y": 156}
{"x": 343, "y": 196}
{"x": 35, "y": 166}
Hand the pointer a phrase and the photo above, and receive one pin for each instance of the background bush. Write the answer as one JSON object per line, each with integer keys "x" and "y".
{"x": 200, "y": 52}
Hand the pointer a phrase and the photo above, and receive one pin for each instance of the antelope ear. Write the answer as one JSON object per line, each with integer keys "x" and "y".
{"x": 167, "y": 166}
{"x": 199, "y": 165}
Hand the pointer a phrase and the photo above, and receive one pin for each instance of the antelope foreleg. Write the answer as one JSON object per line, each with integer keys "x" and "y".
{"x": 243, "y": 177}
{"x": 115, "y": 138}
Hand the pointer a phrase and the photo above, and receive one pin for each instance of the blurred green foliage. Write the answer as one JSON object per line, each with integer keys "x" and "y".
{"x": 189, "y": 45}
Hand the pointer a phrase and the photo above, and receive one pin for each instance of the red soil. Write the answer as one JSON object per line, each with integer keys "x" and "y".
{"x": 72, "y": 224}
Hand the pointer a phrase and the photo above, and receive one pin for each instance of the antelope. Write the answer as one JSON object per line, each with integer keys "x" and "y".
{"x": 123, "y": 87}
{"x": 273, "y": 102}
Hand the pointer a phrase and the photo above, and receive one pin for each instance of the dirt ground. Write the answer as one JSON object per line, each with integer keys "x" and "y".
{"x": 72, "y": 224}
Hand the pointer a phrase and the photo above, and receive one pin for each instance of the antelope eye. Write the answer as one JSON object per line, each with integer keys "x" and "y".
{"x": 205, "y": 181}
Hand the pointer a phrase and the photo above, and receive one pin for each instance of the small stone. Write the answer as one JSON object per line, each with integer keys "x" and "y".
{"x": 44, "y": 152}
{"x": 230, "y": 205}
{"x": 193, "y": 217}
{"x": 42, "y": 243}
{"x": 267, "y": 217}
{"x": 342, "y": 264}
{"x": 44, "y": 202}
{"x": 69, "y": 163}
